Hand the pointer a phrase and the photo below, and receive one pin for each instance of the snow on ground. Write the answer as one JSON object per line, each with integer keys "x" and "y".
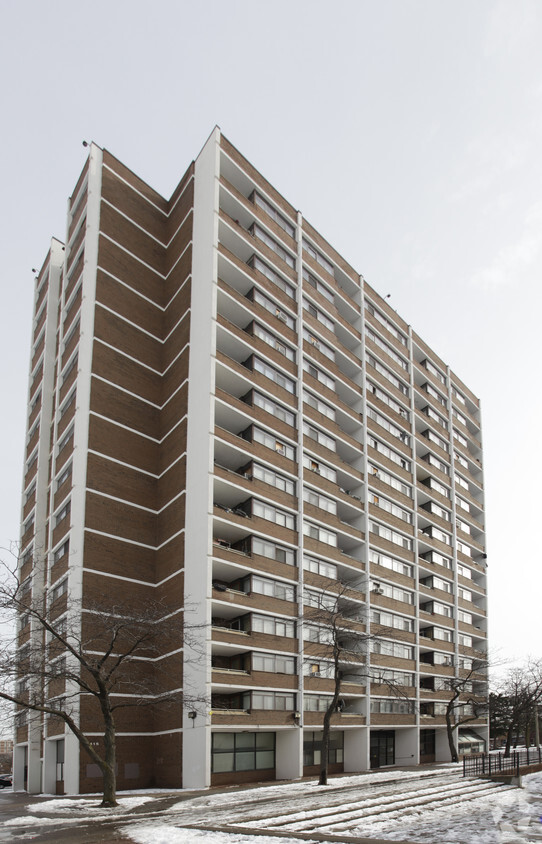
{"x": 73, "y": 810}
{"x": 447, "y": 810}
{"x": 162, "y": 834}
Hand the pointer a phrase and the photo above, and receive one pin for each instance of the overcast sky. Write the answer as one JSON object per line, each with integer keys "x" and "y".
{"x": 409, "y": 132}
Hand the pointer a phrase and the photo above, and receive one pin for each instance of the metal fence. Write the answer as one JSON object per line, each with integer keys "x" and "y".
{"x": 492, "y": 764}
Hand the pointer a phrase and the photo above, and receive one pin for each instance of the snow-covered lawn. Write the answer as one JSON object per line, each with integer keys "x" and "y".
{"x": 436, "y": 806}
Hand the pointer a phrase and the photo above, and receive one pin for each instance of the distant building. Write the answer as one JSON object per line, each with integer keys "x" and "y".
{"x": 221, "y": 408}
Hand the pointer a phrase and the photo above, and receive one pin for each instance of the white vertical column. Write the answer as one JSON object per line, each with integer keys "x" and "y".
{"x": 199, "y": 468}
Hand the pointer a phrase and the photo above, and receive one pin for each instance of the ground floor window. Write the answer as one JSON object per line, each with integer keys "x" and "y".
{"x": 242, "y": 752}
{"x": 427, "y": 742}
{"x": 382, "y": 748}
{"x": 312, "y": 747}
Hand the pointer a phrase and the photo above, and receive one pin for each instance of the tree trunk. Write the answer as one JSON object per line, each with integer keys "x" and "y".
{"x": 110, "y": 758}
{"x": 325, "y": 748}
{"x": 451, "y": 742}
{"x": 508, "y": 741}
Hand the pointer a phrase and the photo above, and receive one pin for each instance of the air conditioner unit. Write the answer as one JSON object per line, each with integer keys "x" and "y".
{"x": 280, "y": 315}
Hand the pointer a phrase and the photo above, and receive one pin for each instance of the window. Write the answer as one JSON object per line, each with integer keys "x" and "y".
{"x": 464, "y": 571}
{"x": 319, "y": 375}
{"x": 273, "y": 626}
{"x": 318, "y": 668}
{"x": 318, "y": 314}
{"x": 261, "y": 234}
{"x": 320, "y": 533}
{"x": 432, "y": 437}
{"x": 319, "y": 405}
{"x": 320, "y": 600}
{"x": 464, "y": 549}
{"x": 266, "y": 586}
{"x": 462, "y": 504}
{"x": 384, "y": 397}
{"x": 71, "y": 366}
{"x": 461, "y": 460}
{"x": 388, "y": 426}
{"x": 465, "y": 617}
{"x": 388, "y": 479}
{"x": 437, "y": 487}
{"x": 273, "y": 663}
{"x": 264, "y": 548}
{"x": 462, "y": 526}
{"x": 268, "y": 476}
{"x": 65, "y": 440}
{"x": 65, "y": 474}
{"x": 459, "y": 416}
{"x": 388, "y": 619}
{"x": 461, "y": 482}
{"x": 319, "y": 436}
{"x": 59, "y": 590}
{"x": 273, "y": 276}
{"x": 390, "y": 563}
{"x": 321, "y": 501}
{"x": 390, "y": 507}
{"x": 316, "y": 703}
{"x": 319, "y": 468}
{"x": 273, "y": 341}
{"x": 379, "y": 588}
{"x": 432, "y": 414}
{"x": 388, "y": 452}
{"x": 257, "y": 199}
{"x": 270, "y": 441}
{"x": 242, "y": 752}
{"x": 431, "y": 507}
{"x": 460, "y": 438}
{"x": 458, "y": 396}
{"x": 317, "y": 284}
{"x": 436, "y": 463}
{"x": 387, "y": 648}
{"x": 390, "y": 535}
{"x": 438, "y": 608}
{"x": 464, "y": 640}
{"x": 63, "y": 513}
{"x": 386, "y": 676}
{"x": 435, "y": 533}
{"x": 437, "y": 583}
{"x": 318, "y": 257}
{"x": 430, "y": 390}
{"x": 61, "y": 551}
{"x": 320, "y": 567}
{"x": 318, "y": 344}
{"x": 281, "y": 701}
{"x": 433, "y": 370}
{"x": 317, "y": 633}
{"x": 389, "y": 326}
{"x": 274, "y": 374}
{"x": 397, "y": 707}
{"x": 379, "y": 367}
{"x": 272, "y": 307}
{"x": 464, "y": 594}
{"x": 441, "y": 634}
{"x": 273, "y": 407}
{"x": 273, "y": 514}
{"x": 386, "y": 348}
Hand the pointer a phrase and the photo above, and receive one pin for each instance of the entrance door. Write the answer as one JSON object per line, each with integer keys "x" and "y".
{"x": 382, "y": 748}
{"x": 60, "y": 766}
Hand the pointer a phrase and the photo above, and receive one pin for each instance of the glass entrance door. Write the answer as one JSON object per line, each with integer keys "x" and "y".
{"x": 382, "y": 748}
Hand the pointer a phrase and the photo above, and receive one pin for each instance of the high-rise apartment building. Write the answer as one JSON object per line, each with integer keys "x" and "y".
{"x": 221, "y": 409}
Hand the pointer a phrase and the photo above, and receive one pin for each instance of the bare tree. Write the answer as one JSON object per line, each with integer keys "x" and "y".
{"x": 336, "y": 633}
{"x": 468, "y": 701}
{"x": 99, "y": 652}
{"x": 522, "y": 690}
